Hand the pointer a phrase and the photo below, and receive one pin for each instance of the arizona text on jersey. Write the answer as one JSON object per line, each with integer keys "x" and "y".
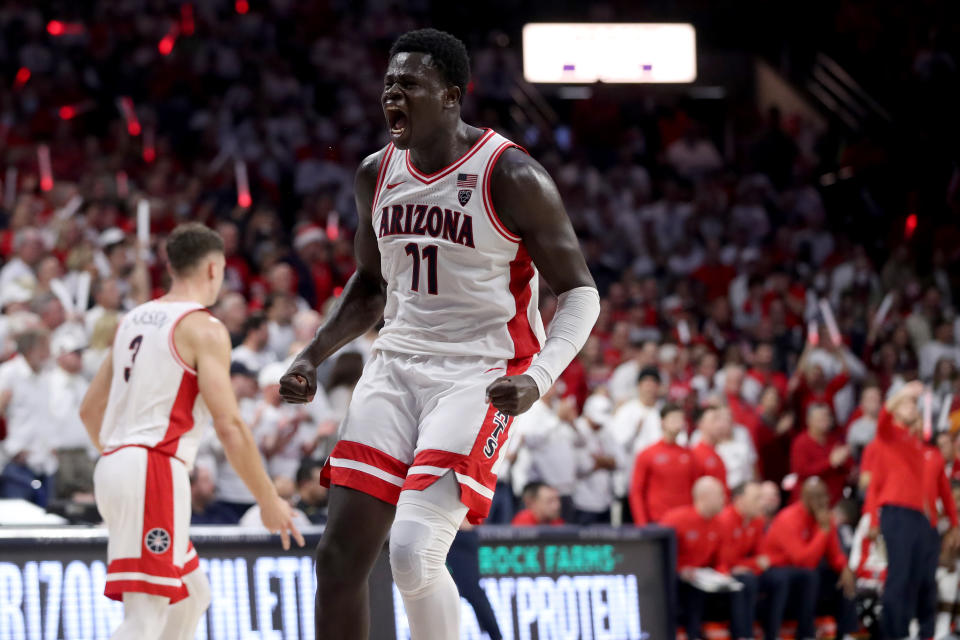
{"x": 458, "y": 282}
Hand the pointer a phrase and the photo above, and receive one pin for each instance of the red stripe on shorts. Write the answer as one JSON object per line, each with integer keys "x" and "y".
{"x": 477, "y": 465}
{"x": 354, "y": 479}
{"x": 116, "y": 588}
{"x": 359, "y": 452}
{"x": 158, "y": 506}
{"x": 147, "y": 564}
{"x": 359, "y": 479}
{"x": 156, "y": 544}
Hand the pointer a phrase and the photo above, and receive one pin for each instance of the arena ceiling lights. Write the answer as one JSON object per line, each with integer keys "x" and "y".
{"x": 572, "y": 53}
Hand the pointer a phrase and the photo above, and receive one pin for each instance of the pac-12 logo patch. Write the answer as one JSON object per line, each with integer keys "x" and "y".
{"x": 157, "y": 540}
{"x": 464, "y": 196}
{"x": 500, "y": 422}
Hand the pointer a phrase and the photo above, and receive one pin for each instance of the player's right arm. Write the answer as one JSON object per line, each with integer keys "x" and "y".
{"x": 94, "y": 403}
{"x": 208, "y": 339}
{"x": 361, "y": 304}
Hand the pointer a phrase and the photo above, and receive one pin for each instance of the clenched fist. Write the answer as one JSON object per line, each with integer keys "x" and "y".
{"x": 299, "y": 384}
{"x": 512, "y": 395}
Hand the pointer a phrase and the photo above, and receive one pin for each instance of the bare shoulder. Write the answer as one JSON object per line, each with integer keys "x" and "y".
{"x": 366, "y": 176}
{"x": 516, "y": 169}
{"x": 524, "y": 195}
{"x": 201, "y": 330}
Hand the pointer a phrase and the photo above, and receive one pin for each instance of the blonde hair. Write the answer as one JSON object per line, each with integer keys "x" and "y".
{"x": 104, "y": 330}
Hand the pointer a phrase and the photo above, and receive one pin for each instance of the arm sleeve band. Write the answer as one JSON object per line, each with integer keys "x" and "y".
{"x": 577, "y": 312}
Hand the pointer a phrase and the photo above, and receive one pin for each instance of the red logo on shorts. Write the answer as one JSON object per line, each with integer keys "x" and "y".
{"x": 493, "y": 441}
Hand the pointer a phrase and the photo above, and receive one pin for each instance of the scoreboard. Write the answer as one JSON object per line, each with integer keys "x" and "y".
{"x": 573, "y": 53}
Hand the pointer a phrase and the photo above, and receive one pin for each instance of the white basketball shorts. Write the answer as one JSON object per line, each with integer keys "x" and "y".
{"x": 144, "y": 498}
{"x": 413, "y": 418}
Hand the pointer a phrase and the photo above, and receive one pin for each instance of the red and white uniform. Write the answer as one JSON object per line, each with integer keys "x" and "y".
{"x": 461, "y": 311}
{"x": 150, "y": 433}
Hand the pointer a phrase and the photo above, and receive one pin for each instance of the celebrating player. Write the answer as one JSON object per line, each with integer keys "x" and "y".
{"x": 455, "y": 223}
{"x": 167, "y": 375}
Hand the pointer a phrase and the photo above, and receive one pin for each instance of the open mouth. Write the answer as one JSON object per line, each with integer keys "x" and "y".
{"x": 397, "y": 120}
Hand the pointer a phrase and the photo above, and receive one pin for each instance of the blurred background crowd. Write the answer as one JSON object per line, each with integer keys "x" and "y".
{"x": 768, "y": 278}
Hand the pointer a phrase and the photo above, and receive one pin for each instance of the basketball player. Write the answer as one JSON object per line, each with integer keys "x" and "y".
{"x": 167, "y": 375}
{"x": 452, "y": 221}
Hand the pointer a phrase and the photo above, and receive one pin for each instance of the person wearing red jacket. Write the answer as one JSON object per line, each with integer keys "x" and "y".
{"x": 901, "y": 495}
{"x": 705, "y": 454}
{"x": 664, "y": 473}
{"x": 799, "y": 539}
{"x": 542, "y": 506}
{"x": 875, "y": 473}
{"x": 936, "y": 488}
{"x": 699, "y": 543}
{"x": 819, "y": 452}
{"x": 742, "y": 527}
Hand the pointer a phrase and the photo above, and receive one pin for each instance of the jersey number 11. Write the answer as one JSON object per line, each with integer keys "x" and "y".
{"x": 430, "y": 256}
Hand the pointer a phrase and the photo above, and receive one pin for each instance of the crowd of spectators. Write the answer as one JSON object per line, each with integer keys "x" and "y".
{"x": 743, "y": 338}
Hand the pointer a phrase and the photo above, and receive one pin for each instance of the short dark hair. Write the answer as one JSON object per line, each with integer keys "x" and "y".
{"x": 532, "y": 489}
{"x": 670, "y": 408}
{"x": 253, "y": 322}
{"x": 739, "y": 490}
{"x": 446, "y": 51}
{"x": 305, "y": 471}
{"x": 649, "y": 372}
{"x": 189, "y": 244}
{"x": 240, "y": 369}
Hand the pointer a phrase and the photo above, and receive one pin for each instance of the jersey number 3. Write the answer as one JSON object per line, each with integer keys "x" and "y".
{"x": 430, "y": 256}
{"x": 135, "y": 347}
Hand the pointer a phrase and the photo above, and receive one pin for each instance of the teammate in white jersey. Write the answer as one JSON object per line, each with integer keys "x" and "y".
{"x": 452, "y": 221}
{"x": 167, "y": 376}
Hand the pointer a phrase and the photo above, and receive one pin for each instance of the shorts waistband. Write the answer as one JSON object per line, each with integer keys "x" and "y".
{"x": 143, "y": 446}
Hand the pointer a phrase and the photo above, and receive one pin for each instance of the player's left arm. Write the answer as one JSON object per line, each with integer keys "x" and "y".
{"x": 526, "y": 200}
{"x": 94, "y": 403}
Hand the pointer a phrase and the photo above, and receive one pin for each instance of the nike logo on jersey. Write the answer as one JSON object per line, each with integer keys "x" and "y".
{"x": 494, "y": 369}
{"x": 395, "y": 184}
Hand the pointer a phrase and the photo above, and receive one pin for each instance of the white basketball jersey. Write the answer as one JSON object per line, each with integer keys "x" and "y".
{"x": 154, "y": 396}
{"x": 458, "y": 282}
